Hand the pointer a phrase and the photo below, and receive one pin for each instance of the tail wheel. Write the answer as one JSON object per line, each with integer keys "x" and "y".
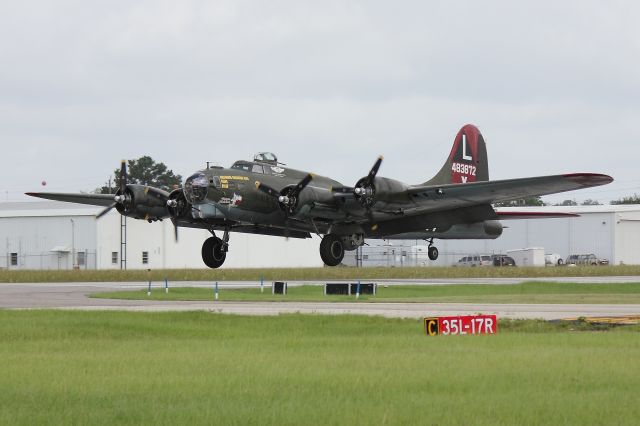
{"x": 432, "y": 251}
{"x": 331, "y": 250}
{"x": 213, "y": 253}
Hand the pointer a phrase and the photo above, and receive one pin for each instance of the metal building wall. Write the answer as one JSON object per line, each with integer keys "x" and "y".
{"x": 157, "y": 239}
{"x": 32, "y": 230}
{"x": 34, "y": 238}
{"x": 611, "y": 232}
{"x": 627, "y": 247}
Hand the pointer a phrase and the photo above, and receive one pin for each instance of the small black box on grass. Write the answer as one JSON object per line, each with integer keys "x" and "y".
{"x": 365, "y": 288}
{"x": 336, "y": 288}
{"x": 348, "y": 289}
{"x": 279, "y": 287}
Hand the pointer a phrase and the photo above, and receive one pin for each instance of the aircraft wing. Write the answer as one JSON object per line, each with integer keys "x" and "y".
{"x": 443, "y": 197}
{"x": 104, "y": 200}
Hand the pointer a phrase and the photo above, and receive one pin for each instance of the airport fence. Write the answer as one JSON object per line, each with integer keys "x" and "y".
{"x": 81, "y": 259}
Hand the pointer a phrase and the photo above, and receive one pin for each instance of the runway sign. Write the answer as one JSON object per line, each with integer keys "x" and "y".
{"x": 468, "y": 324}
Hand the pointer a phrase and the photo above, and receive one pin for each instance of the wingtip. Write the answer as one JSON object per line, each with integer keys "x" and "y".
{"x": 589, "y": 179}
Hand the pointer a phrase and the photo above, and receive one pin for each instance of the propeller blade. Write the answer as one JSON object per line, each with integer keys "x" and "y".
{"x": 175, "y": 229}
{"x": 123, "y": 176}
{"x": 302, "y": 184}
{"x": 374, "y": 170}
{"x": 105, "y": 211}
{"x": 287, "y": 198}
{"x": 286, "y": 228}
{"x": 120, "y": 198}
{"x": 267, "y": 190}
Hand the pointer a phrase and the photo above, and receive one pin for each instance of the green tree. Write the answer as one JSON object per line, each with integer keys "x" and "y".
{"x": 568, "y": 203}
{"x": 144, "y": 171}
{"x": 522, "y": 202}
{"x": 633, "y": 199}
{"x": 590, "y": 202}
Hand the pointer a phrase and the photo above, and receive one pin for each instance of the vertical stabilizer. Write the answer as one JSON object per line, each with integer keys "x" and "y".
{"x": 467, "y": 161}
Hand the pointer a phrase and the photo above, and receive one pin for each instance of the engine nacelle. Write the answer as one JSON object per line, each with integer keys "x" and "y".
{"x": 382, "y": 189}
{"x": 305, "y": 199}
{"x": 178, "y": 205}
{"x": 143, "y": 202}
{"x": 390, "y": 190}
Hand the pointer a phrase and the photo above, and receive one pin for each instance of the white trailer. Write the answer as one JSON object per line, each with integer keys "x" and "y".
{"x": 532, "y": 256}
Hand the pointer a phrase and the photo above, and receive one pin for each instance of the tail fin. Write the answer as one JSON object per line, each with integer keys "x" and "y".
{"x": 467, "y": 161}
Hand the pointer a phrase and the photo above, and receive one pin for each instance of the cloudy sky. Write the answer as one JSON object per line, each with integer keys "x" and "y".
{"x": 327, "y": 86}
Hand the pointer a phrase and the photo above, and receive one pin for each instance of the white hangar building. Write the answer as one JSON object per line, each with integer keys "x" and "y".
{"x": 56, "y": 235}
{"x": 611, "y": 232}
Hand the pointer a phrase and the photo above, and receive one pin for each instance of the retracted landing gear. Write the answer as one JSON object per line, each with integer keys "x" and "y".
{"x": 432, "y": 251}
{"x": 331, "y": 250}
{"x": 214, "y": 250}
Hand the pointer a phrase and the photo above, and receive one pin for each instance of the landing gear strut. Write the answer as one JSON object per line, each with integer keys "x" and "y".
{"x": 432, "y": 251}
{"x": 331, "y": 250}
{"x": 214, "y": 250}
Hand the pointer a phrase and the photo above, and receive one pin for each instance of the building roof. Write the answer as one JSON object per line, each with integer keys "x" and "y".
{"x": 47, "y": 209}
{"x": 605, "y": 208}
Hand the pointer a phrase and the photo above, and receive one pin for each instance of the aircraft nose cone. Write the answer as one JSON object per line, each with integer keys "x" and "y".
{"x": 195, "y": 188}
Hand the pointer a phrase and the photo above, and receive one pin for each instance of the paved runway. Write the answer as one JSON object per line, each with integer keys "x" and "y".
{"x": 75, "y": 296}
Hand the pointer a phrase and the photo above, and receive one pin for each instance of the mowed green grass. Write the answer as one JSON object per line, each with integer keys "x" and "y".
{"x": 529, "y": 292}
{"x": 62, "y": 367}
{"x": 338, "y": 273}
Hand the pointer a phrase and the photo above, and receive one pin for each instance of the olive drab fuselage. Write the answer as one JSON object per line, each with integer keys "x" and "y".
{"x": 232, "y": 194}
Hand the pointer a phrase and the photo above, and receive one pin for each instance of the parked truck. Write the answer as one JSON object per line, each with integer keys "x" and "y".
{"x": 532, "y": 256}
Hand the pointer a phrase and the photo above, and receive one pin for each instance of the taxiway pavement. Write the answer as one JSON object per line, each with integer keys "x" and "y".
{"x": 76, "y": 296}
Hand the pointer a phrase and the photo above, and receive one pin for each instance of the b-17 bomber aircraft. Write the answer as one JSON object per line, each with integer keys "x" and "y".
{"x": 265, "y": 197}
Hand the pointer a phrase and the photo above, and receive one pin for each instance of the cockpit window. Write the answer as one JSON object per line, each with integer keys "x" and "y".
{"x": 257, "y": 169}
{"x": 241, "y": 166}
{"x": 266, "y": 157}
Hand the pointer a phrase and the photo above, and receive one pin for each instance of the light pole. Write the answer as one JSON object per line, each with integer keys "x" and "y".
{"x": 73, "y": 244}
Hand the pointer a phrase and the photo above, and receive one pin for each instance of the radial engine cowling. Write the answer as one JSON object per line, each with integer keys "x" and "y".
{"x": 143, "y": 202}
{"x": 379, "y": 189}
{"x": 294, "y": 204}
{"x": 178, "y": 205}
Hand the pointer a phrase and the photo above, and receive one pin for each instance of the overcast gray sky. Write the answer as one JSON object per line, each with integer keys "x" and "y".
{"x": 554, "y": 86}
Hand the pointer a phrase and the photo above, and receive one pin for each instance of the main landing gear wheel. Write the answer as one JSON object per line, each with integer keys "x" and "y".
{"x": 432, "y": 251}
{"x": 213, "y": 252}
{"x": 331, "y": 250}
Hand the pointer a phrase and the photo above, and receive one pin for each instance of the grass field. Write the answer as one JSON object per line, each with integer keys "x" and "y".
{"x": 62, "y": 367}
{"x": 311, "y": 274}
{"x": 529, "y": 292}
